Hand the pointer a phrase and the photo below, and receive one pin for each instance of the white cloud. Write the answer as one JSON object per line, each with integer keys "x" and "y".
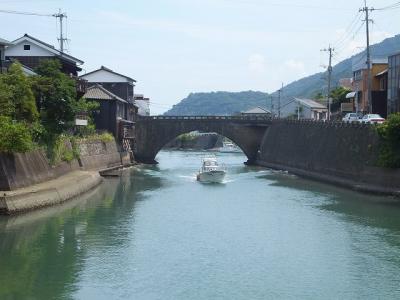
{"x": 257, "y": 63}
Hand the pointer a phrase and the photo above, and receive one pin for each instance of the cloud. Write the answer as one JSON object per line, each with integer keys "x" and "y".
{"x": 257, "y": 63}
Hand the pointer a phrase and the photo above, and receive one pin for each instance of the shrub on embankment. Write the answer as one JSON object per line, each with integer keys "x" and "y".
{"x": 389, "y": 133}
{"x": 39, "y": 112}
{"x": 14, "y": 136}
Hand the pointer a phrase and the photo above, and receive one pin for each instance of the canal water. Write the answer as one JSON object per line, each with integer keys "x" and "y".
{"x": 156, "y": 233}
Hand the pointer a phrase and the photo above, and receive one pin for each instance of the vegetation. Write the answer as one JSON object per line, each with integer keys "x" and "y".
{"x": 39, "y": 111}
{"x": 338, "y": 96}
{"x": 389, "y": 133}
{"x": 219, "y": 103}
{"x": 14, "y": 136}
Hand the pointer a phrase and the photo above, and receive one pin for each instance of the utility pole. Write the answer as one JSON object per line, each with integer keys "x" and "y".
{"x": 330, "y": 50}
{"x": 61, "y": 39}
{"x": 366, "y": 9}
{"x": 280, "y": 91}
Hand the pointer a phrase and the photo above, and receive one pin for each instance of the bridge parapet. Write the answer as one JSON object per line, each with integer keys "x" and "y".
{"x": 207, "y": 118}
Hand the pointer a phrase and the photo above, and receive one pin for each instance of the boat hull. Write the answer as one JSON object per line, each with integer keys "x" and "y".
{"x": 211, "y": 176}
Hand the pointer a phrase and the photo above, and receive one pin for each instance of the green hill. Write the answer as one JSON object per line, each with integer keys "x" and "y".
{"x": 227, "y": 103}
{"x": 218, "y": 103}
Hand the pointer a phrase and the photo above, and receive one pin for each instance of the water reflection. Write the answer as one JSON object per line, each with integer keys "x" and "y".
{"x": 43, "y": 252}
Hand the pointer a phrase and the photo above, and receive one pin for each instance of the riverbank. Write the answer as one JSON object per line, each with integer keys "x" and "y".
{"x": 48, "y": 193}
{"x": 30, "y": 181}
{"x": 337, "y": 153}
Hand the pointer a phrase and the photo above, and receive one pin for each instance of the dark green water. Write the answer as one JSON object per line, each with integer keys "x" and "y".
{"x": 156, "y": 233}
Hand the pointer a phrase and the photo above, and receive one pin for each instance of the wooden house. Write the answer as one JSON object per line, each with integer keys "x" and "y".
{"x": 115, "y": 115}
{"x": 118, "y": 84}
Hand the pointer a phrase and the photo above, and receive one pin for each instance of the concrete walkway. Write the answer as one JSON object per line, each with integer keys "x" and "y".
{"x": 48, "y": 193}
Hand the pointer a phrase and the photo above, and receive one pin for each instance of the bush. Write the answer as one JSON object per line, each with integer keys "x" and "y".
{"x": 14, "y": 136}
{"x": 389, "y": 133}
{"x": 104, "y": 137}
{"x": 61, "y": 149}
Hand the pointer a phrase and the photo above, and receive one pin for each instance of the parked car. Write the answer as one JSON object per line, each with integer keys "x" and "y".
{"x": 351, "y": 117}
{"x": 372, "y": 119}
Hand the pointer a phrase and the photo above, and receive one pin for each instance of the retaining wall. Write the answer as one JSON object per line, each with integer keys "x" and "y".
{"x": 19, "y": 170}
{"x": 336, "y": 152}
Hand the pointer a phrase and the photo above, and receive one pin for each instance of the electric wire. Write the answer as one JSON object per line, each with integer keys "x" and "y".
{"x": 24, "y": 13}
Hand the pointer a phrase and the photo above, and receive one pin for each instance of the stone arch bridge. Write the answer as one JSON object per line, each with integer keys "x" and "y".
{"x": 154, "y": 132}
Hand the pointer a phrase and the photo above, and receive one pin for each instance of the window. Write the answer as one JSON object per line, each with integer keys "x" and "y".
{"x": 27, "y": 47}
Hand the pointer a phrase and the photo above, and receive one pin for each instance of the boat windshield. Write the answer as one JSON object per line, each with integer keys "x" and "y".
{"x": 210, "y": 163}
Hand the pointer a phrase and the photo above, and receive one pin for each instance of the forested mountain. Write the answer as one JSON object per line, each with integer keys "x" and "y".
{"x": 226, "y": 103}
{"x": 218, "y": 103}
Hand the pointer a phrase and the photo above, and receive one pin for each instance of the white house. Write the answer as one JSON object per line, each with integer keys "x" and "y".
{"x": 256, "y": 112}
{"x": 303, "y": 109}
{"x": 29, "y": 51}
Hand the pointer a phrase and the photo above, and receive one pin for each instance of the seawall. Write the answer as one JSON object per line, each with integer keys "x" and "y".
{"x": 341, "y": 153}
{"x": 29, "y": 181}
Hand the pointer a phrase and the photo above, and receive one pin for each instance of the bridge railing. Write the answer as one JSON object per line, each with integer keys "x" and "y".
{"x": 258, "y": 119}
{"x": 247, "y": 118}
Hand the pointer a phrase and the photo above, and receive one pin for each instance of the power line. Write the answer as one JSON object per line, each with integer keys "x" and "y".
{"x": 392, "y": 6}
{"x": 24, "y": 13}
{"x": 58, "y": 15}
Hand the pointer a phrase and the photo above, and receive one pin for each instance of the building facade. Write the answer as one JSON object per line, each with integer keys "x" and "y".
{"x": 299, "y": 108}
{"x": 115, "y": 114}
{"x": 118, "y": 112}
{"x": 393, "y": 95}
{"x": 360, "y": 86}
{"x": 30, "y": 51}
{"x": 118, "y": 84}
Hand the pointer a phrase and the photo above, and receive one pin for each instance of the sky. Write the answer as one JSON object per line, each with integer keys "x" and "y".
{"x": 176, "y": 47}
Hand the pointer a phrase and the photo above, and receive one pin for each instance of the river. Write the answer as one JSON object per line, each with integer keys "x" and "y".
{"x": 156, "y": 233}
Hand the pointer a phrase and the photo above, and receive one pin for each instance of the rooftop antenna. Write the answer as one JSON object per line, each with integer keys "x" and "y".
{"x": 61, "y": 39}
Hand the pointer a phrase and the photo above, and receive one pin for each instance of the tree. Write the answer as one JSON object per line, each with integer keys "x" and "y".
{"x": 7, "y": 108}
{"x": 55, "y": 94}
{"x": 338, "y": 95}
{"x": 16, "y": 97}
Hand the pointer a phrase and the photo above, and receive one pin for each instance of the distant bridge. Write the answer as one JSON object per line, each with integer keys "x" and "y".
{"x": 154, "y": 132}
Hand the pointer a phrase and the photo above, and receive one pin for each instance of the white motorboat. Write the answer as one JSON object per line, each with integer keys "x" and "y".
{"x": 211, "y": 171}
{"x": 229, "y": 147}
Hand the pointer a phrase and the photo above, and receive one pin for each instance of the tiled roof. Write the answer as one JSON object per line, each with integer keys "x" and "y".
{"x": 97, "y": 92}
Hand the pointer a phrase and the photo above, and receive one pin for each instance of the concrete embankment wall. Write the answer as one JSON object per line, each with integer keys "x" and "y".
{"x": 20, "y": 170}
{"x": 340, "y": 153}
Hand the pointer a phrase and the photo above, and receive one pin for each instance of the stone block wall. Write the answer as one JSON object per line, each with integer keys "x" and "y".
{"x": 99, "y": 155}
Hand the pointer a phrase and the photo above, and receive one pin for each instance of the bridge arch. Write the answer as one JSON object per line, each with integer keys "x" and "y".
{"x": 153, "y": 133}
